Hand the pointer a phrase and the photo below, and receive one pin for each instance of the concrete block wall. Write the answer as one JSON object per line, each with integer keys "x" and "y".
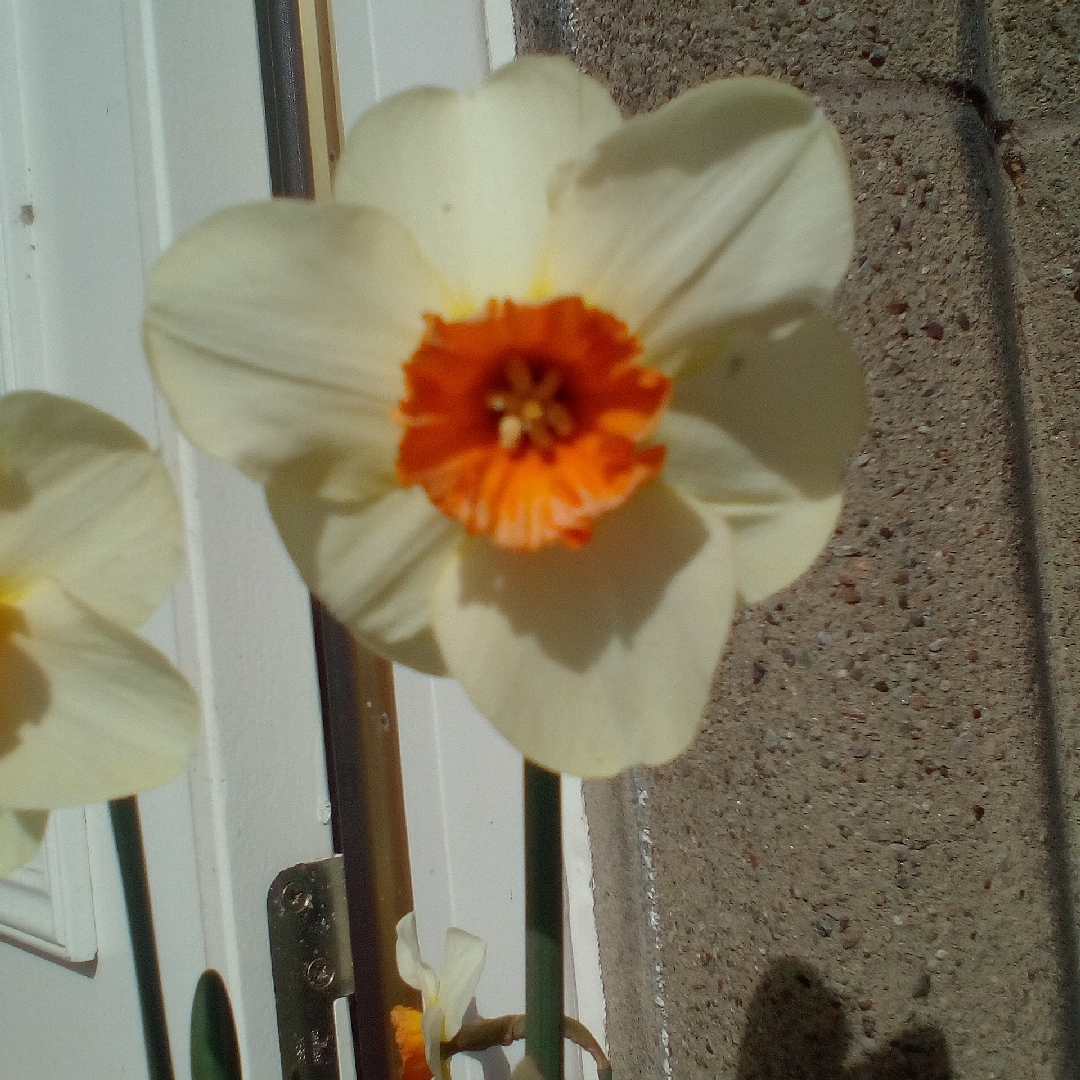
{"x": 866, "y": 867}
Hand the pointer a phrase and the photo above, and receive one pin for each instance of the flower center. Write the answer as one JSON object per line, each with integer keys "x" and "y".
{"x": 525, "y": 423}
{"x": 529, "y": 408}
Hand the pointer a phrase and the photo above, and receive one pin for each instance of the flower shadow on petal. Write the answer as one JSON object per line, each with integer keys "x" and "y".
{"x": 793, "y": 396}
{"x": 303, "y": 522}
{"x": 15, "y": 492}
{"x": 24, "y": 687}
{"x": 573, "y": 603}
{"x": 680, "y": 134}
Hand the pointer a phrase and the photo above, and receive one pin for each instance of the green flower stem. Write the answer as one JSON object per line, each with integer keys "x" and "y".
{"x": 127, "y": 834}
{"x": 543, "y": 921}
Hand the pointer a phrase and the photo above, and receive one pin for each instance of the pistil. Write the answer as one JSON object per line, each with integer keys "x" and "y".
{"x": 530, "y": 409}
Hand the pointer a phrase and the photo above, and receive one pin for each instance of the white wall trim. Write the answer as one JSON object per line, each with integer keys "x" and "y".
{"x": 499, "y": 22}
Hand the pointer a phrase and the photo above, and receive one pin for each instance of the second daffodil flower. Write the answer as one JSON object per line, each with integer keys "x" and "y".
{"x": 420, "y": 1035}
{"x": 542, "y": 392}
{"x": 90, "y": 543}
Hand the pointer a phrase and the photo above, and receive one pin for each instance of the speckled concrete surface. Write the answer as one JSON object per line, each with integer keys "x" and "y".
{"x": 1037, "y": 61}
{"x": 861, "y": 870}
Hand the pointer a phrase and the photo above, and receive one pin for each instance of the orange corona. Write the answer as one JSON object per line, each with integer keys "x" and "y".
{"x": 410, "y": 1040}
{"x": 525, "y": 423}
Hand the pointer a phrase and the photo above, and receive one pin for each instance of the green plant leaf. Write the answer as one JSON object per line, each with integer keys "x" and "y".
{"x": 215, "y": 1054}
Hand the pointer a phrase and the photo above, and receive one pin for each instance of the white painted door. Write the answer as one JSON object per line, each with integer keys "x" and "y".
{"x": 123, "y": 123}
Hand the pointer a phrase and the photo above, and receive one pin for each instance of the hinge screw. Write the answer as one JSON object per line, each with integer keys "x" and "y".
{"x": 295, "y": 897}
{"x": 320, "y": 973}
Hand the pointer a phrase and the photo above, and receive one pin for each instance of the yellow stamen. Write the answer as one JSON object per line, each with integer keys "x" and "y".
{"x": 529, "y": 408}
{"x": 510, "y": 431}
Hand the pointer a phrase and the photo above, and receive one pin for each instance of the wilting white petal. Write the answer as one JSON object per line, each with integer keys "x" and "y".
{"x": 432, "y": 1024}
{"x": 412, "y": 967}
{"x": 463, "y": 961}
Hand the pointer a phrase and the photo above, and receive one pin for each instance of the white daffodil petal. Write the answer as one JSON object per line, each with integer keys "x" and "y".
{"x": 278, "y": 332}
{"x": 373, "y": 564}
{"x": 763, "y": 434}
{"x": 703, "y": 460}
{"x": 772, "y": 419}
{"x": 592, "y": 660}
{"x": 432, "y": 1024}
{"x": 21, "y": 833}
{"x": 468, "y": 172}
{"x": 84, "y": 500}
{"x": 773, "y": 549}
{"x": 732, "y": 199}
{"x": 414, "y": 970}
{"x": 777, "y": 531}
{"x": 88, "y": 710}
{"x": 463, "y": 961}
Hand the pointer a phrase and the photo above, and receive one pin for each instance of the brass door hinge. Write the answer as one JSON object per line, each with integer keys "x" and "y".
{"x": 312, "y": 963}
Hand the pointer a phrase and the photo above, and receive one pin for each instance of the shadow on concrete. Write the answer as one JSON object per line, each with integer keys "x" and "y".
{"x": 978, "y": 128}
{"x": 796, "y": 1029}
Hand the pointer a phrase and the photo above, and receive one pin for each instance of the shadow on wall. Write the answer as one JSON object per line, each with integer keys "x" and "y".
{"x": 797, "y": 1029}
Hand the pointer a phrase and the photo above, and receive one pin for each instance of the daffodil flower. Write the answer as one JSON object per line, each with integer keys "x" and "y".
{"x": 543, "y": 392}
{"x": 420, "y": 1034}
{"x": 89, "y": 546}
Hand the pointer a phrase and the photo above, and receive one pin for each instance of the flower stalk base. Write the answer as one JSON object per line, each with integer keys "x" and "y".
{"x": 127, "y": 833}
{"x": 504, "y": 1030}
{"x": 543, "y": 921}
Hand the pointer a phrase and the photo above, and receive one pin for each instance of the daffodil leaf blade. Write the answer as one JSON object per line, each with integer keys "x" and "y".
{"x": 215, "y": 1051}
